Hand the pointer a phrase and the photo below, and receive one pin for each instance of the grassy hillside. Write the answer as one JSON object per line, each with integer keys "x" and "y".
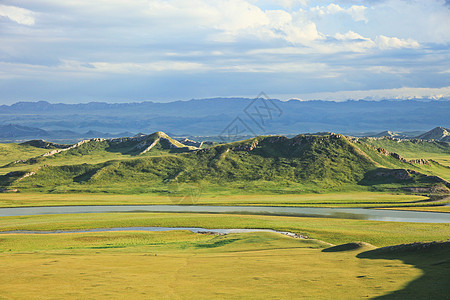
{"x": 414, "y": 149}
{"x": 93, "y": 151}
{"x": 12, "y": 152}
{"x": 427, "y": 157}
{"x": 274, "y": 164}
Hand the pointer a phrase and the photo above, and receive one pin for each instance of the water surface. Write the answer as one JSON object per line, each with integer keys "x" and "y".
{"x": 344, "y": 213}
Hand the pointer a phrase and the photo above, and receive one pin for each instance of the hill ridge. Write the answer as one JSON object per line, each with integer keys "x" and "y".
{"x": 303, "y": 162}
{"x": 138, "y": 145}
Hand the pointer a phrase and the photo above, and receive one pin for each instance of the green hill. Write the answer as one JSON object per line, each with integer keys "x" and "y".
{"x": 12, "y": 152}
{"x": 429, "y": 157}
{"x": 101, "y": 150}
{"x": 275, "y": 164}
{"x": 413, "y": 149}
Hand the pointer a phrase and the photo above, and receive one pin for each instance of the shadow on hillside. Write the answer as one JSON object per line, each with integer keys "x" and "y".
{"x": 399, "y": 176}
{"x": 386, "y": 176}
{"x": 432, "y": 258}
{"x": 133, "y": 151}
{"x": 8, "y": 179}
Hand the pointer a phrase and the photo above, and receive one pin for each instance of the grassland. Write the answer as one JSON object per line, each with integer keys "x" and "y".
{"x": 354, "y": 199}
{"x": 185, "y": 265}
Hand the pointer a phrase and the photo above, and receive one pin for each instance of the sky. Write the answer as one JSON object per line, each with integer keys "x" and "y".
{"x": 137, "y": 50}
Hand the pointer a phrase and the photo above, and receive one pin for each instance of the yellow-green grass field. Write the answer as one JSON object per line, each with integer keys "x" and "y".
{"x": 335, "y": 231}
{"x": 353, "y": 199}
{"x": 184, "y": 265}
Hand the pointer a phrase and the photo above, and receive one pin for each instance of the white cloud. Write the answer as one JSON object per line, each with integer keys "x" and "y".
{"x": 350, "y": 35}
{"x": 291, "y": 3}
{"x": 237, "y": 19}
{"x": 359, "y": 43}
{"x": 348, "y": 40}
{"x": 388, "y": 70}
{"x": 158, "y": 66}
{"x": 288, "y": 67}
{"x": 17, "y": 14}
{"x": 357, "y": 12}
{"x": 385, "y": 42}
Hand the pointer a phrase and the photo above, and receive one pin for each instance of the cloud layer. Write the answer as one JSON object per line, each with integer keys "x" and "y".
{"x": 80, "y": 50}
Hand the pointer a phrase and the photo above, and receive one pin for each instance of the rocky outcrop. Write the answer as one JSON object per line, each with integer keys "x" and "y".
{"x": 192, "y": 143}
{"x": 9, "y": 190}
{"x": 27, "y": 175}
{"x": 250, "y": 147}
{"x": 397, "y": 156}
{"x": 420, "y": 161}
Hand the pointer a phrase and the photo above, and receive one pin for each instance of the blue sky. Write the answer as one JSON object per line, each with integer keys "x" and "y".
{"x": 135, "y": 50}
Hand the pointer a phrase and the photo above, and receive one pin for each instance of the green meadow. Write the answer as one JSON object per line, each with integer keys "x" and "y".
{"x": 180, "y": 265}
{"x": 185, "y": 265}
{"x": 344, "y": 199}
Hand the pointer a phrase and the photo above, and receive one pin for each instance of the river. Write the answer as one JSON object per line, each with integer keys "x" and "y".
{"x": 343, "y": 213}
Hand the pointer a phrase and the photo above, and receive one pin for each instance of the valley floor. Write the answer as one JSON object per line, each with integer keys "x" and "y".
{"x": 184, "y": 265}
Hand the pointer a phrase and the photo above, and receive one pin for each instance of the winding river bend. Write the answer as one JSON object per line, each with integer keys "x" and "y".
{"x": 344, "y": 213}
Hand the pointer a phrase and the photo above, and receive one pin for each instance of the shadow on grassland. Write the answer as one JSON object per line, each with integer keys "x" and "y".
{"x": 432, "y": 258}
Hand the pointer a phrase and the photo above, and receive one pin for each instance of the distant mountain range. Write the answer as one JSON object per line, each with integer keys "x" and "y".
{"x": 438, "y": 134}
{"x": 19, "y": 132}
{"x": 220, "y": 116}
